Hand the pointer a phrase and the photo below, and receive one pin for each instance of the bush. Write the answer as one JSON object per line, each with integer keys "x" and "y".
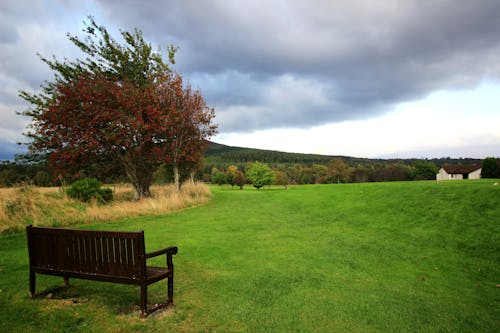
{"x": 88, "y": 189}
{"x": 43, "y": 179}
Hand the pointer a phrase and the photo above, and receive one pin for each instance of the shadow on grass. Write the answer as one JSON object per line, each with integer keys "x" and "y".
{"x": 115, "y": 299}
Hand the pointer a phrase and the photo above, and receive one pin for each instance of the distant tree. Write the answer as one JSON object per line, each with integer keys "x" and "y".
{"x": 360, "y": 174}
{"x": 217, "y": 177}
{"x": 43, "y": 179}
{"x": 392, "y": 172}
{"x": 294, "y": 174}
{"x": 231, "y": 175}
{"x": 490, "y": 168}
{"x": 259, "y": 174}
{"x": 281, "y": 179}
{"x": 424, "y": 170}
{"x": 240, "y": 179}
{"x": 8, "y": 177}
{"x": 338, "y": 171}
{"x": 320, "y": 173}
{"x": 306, "y": 176}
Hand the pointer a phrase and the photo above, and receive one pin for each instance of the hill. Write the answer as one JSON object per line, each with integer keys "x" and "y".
{"x": 219, "y": 154}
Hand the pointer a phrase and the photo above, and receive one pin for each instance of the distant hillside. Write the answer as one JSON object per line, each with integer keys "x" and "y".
{"x": 230, "y": 154}
{"x": 219, "y": 154}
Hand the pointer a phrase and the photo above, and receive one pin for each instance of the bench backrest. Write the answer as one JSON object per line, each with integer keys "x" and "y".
{"x": 109, "y": 253}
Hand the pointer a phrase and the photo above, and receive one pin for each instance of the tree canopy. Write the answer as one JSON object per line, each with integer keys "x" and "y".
{"x": 259, "y": 174}
{"x": 122, "y": 104}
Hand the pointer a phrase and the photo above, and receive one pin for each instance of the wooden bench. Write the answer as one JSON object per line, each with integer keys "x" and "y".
{"x": 109, "y": 256}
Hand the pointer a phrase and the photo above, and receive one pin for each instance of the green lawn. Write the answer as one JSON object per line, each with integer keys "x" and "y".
{"x": 377, "y": 257}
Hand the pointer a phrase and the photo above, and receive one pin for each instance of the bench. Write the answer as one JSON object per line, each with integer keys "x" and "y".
{"x": 109, "y": 256}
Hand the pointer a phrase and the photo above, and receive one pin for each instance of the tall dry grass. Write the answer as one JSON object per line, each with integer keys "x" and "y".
{"x": 27, "y": 204}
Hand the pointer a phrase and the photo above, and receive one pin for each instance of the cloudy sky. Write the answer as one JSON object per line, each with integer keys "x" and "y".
{"x": 365, "y": 78}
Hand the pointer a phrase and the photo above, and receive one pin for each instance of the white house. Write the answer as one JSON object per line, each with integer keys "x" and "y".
{"x": 449, "y": 172}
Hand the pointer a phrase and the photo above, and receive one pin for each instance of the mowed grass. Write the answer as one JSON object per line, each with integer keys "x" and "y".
{"x": 378, "y": 257}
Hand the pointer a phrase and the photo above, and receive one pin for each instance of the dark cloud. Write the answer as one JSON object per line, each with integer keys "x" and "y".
{"x": 268, "y": 64}
{"x": 362, "y": 57}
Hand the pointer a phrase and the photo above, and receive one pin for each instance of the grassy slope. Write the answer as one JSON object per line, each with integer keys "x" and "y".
{"x": 386, "y": 257}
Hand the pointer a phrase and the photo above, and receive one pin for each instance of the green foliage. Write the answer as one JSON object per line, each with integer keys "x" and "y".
{"x": 162, "y": 175}
{"x": 323, "y": 169}
{"x": 218, "y": 177}
{"x": 491, "y": 168}
{"x": 338, "y": 171}
{"x": 43, "y": 179}
{"x": 8, "y": 177}
{"x": 259, "y": 174}
{"x": 425, "y": 170}
{"x": 281, "y": 178}
{"x": 88, "y": 189}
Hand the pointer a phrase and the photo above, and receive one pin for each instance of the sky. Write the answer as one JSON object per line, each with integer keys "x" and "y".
{"x": 362, "y": 78}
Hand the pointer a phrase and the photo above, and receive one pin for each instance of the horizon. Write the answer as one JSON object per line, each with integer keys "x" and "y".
{"x": 14, "y": 150}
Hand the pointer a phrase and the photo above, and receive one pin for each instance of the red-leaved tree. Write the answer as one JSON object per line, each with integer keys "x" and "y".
{"x": 140, "y": 127}
{"x": 122, "y": 104}
{"x": 189, "y": 125}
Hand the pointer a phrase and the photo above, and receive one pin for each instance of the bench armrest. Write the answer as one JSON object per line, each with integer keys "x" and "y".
{"x": 169, "y": 250}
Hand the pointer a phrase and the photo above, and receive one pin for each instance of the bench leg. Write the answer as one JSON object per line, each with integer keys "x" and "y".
{"x": 66, "y": 281}
{"x": 32, "y": 284}
{"x": 170, "y": 289}
{"x": 144, "y": 300}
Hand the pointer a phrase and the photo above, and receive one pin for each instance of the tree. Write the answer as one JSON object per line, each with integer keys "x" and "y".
{"x": 361, "y": 174}
{"x": 338, "y": 171}
{"x": 231, "y": 175}
{"x": 121, "y": 104}
{"x": 42, "y": 179}
{"x": 188, "y": 125}
{"x": 425, "y": 170}
{"x": 320, "y": 173}
{"x": 240, "y": 179}
{"x": 490, "y": 168}
{"x": 217, "y": 177}
{"x": 259, "y": 174}
{"x": 281, "y": 178}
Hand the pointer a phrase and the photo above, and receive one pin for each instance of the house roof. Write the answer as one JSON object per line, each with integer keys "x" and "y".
{"x": 461, "y": 169}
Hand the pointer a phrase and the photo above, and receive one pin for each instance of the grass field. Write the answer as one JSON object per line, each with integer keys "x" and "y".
{"x": 377, "y": 257}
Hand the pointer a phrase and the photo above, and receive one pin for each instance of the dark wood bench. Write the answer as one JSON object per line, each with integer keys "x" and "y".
{"x": 109, "y": 256}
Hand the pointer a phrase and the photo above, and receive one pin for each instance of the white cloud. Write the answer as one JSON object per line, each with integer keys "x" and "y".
{"x": 443, "y": 124}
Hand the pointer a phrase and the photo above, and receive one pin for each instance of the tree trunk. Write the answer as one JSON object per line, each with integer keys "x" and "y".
{"x": 141, "y": 191}
{"x": 140, "y": 175}
{"x": 177, "y": 178}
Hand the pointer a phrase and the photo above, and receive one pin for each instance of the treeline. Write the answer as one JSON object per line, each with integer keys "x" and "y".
{"x": 320, "y": 169}
{"x": 335, "y": 171}
{"x": 288, "y": 168}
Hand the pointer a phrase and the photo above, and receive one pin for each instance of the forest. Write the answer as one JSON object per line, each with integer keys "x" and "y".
{"x": 289, "y": 168}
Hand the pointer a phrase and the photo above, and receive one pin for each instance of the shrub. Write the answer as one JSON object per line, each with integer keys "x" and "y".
{"x": 88, "y": 189}
{"x": 42, "y": 179}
